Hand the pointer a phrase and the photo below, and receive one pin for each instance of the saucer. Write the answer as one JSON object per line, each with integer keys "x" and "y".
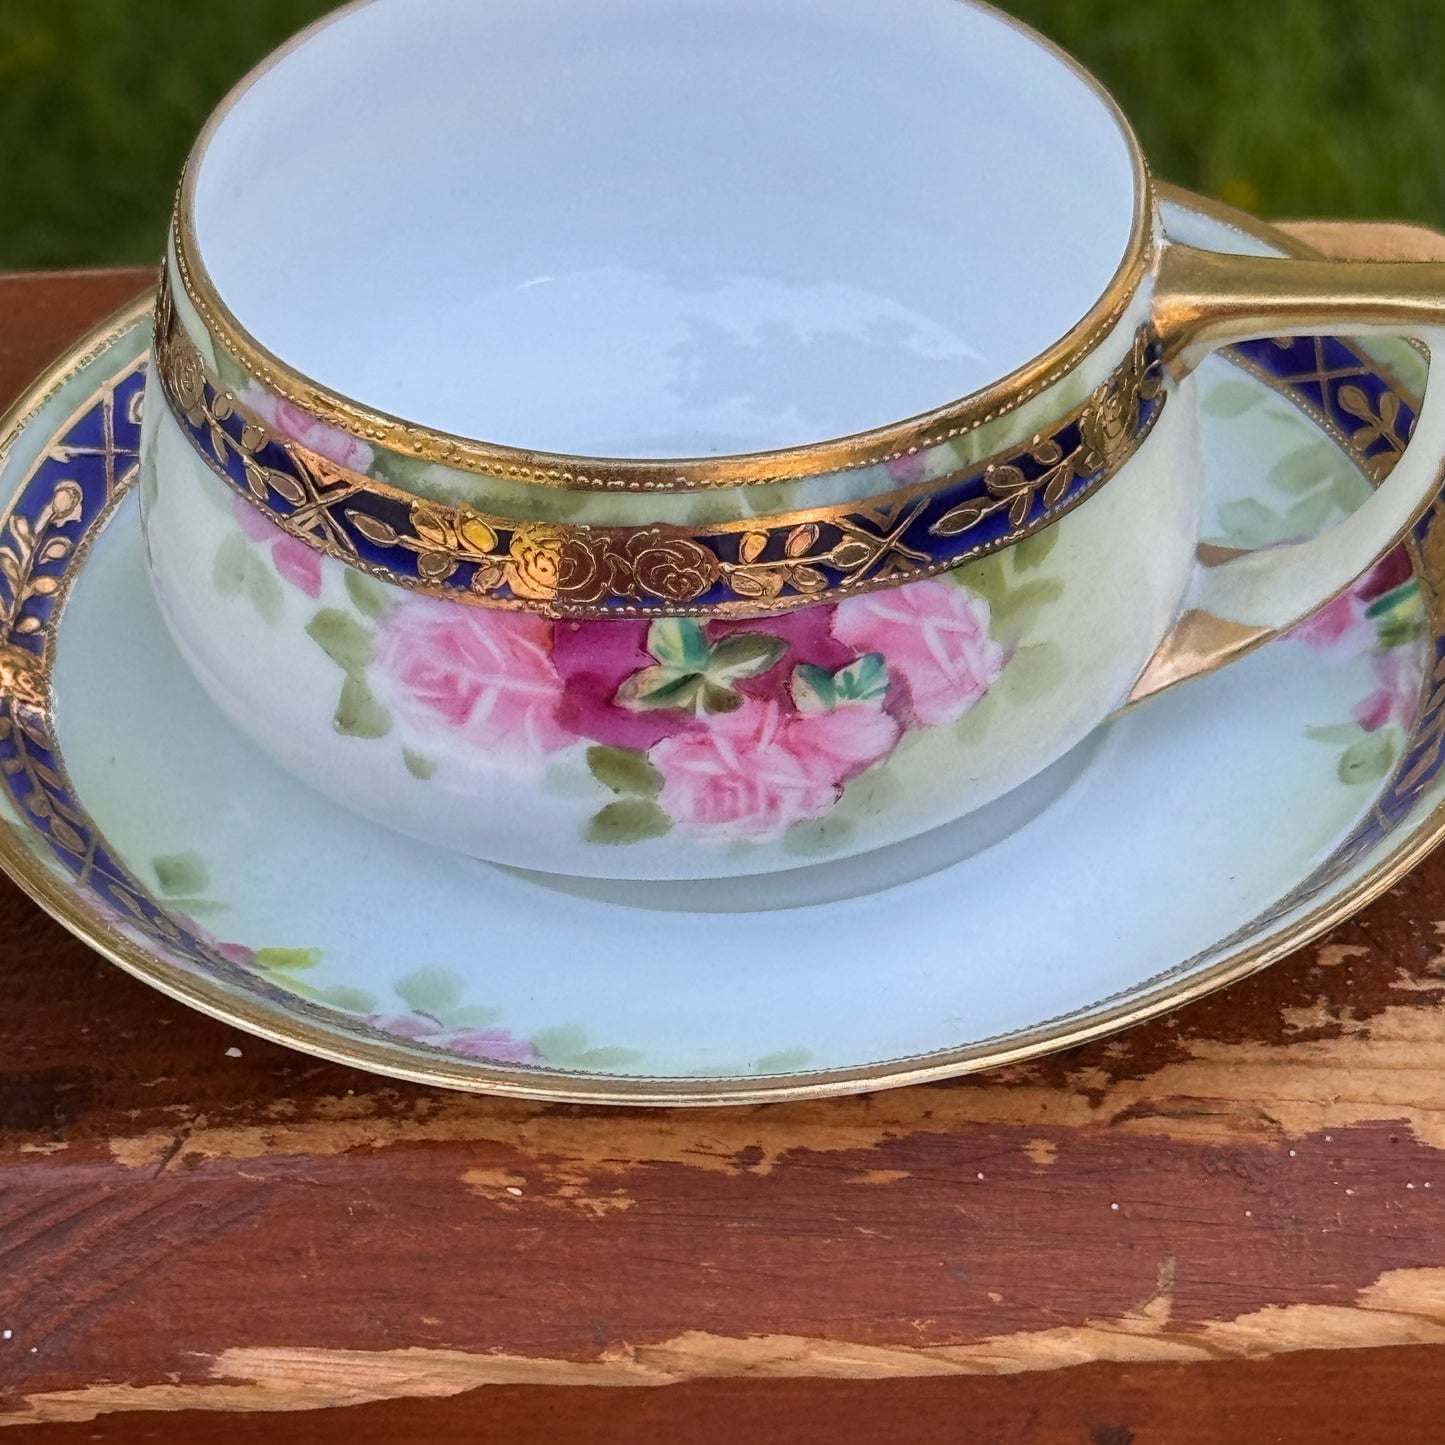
{"x": 1190, "y": 842}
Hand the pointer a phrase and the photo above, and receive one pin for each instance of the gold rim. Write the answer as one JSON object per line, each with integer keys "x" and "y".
{"x": 748, "y": 567}
{"x": 48, "y": 893}
{"x": 878, "y": 445}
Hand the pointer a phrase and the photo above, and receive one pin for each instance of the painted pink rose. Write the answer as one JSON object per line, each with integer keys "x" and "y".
{"x": 752, "y": 774}
{"x": 1341, "y": 630}
{"x": 299, "y": 564}
{"x": 494, "y": 1045}
{"x": 236, "y": 953}
{"x": 847, "y": 740}
{"x": 934, "y": 638}
{"x": 744, "y": 776}
{"x": 1399, "y": 678}
{"x": 298, "y": 426}
{"x": 478, "y": 675}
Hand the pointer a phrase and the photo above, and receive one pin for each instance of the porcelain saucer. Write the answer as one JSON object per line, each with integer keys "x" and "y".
{"x": 1193, "y": 840}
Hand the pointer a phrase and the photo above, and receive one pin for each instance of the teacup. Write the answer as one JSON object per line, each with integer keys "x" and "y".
{"x": 751, "y": 234}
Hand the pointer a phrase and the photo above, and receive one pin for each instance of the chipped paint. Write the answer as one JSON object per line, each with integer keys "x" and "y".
{"x": 1391, "y": 1066}
{"x": 1404, "y": 1307}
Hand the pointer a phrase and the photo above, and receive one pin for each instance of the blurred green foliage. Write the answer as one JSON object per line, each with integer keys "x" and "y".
{"x": 1289, "y": 107}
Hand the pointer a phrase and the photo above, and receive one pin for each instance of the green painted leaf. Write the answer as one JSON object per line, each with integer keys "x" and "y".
{"x": 181, "y": 873}
{"x": 358, "y": 714}
{"x": 422, "y": 769}
{"x": 1370, "y": 759}
{"x": 785, "y": 1061}
{"x": 287, "y": 960}
{"x": 349, "y": 1000}
{"x": 265, "y": 591}
{"x": 985, "y": 578}
{"x": 560, "y": 1045}
{"x": 1300, "y": 471}
{"x": 1249, "y": 523}
{"x": 1399, "y": 615}
{"x": 745, "y": 654}
{"x": 865, "y": 680}
{"x": 812, "y": 689}
{"x": 570, "y": 1047}
{"x": 343, "y": 639}
{"x": 1034, "y": 551}
{"x": 633, "y": 820}
{"x": 197, "y": 907}
{"x": 434, "y": 991}
{"x": 473, "y": 1016}
{"x": 716, "y": 698}
{"x": 1017, "y": 614}
{"x": 625, "y": 770}
{"x": 678, "y": 644}
{"x": 368, "y": 595}
{"x": 1034, "y": 672}
{"x": 1404, "y": 598}
{"x": 1349, "y": 492}
{"x": 1336, "y": 734}
{"x": 233, "y": 561}
{"x": 1230, "y": 399}
{"x": 1308, "y": 516}
{"x": 655, "y": 688}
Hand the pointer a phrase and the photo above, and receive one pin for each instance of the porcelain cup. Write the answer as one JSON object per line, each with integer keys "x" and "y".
{"x": 691, "y": 438}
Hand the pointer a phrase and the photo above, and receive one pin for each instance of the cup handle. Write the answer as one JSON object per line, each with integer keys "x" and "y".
{"x": 1205, "y": 300}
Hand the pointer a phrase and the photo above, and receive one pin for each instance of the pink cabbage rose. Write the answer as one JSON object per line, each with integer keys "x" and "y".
{"x": 494, "y": 1045}
{"x": 299, "y": 564}
{"x": 934, "y": 638}
{"x": 291, "y": 423}
{"x": 480, "y": 676}
{"x": 1399, "y": 678}
{"x": 847, "y": 740}
{"x": 752, "y": 774}
{"x": 1341, "y": 630}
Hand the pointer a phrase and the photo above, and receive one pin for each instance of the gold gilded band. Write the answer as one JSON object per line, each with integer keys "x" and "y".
{"x": 578, "y": 473}
{"x": 877, "y": 446}
{"x": 747, "y": 566}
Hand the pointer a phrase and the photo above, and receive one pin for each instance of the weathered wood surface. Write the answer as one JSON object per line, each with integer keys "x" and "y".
{"x": 1164, "y": 1236}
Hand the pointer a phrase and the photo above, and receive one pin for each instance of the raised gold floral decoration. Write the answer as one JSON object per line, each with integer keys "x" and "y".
{"x": 747, "y": 566}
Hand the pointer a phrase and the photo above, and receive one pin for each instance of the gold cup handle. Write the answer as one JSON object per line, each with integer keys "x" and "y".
{"x": 1205, "y": 300}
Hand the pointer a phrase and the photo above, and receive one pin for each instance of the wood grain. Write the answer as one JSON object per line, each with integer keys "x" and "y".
{"x": 1312, "y": 1398}
{"x": 1174, "y": 1235}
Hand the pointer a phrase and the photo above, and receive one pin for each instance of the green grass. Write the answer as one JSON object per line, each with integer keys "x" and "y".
{"x": 1289, "y": 107}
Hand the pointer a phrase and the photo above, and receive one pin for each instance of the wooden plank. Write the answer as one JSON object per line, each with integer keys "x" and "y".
{"x": 1396, "y": 1395}
{"x": 42, "y": 311}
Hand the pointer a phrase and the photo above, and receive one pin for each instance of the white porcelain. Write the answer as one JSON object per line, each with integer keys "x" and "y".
{"x": 681, "y": 226}
{"x": 646, "y": 228}
{"x": 1261, "y": 804}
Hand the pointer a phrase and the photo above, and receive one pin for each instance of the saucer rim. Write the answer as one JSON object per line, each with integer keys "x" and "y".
{"x": 33, "y": 878}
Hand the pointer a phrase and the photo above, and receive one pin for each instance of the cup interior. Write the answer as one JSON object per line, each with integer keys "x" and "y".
{"x": 663, "y": 228}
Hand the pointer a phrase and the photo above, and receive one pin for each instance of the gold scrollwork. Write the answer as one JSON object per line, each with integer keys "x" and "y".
{"x": 753, "y": 564}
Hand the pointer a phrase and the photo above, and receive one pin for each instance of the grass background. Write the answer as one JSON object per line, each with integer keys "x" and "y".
{"x": 1287, "y": 107}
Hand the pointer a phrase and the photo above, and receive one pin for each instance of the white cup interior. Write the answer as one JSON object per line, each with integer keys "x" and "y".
{"x": 663, "y": 228}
